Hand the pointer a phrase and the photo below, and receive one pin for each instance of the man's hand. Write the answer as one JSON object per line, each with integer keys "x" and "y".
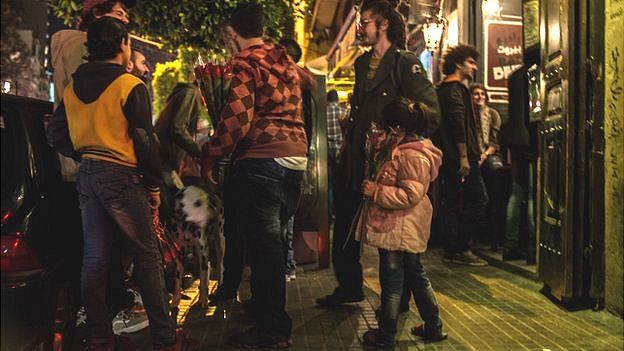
{"x": 483, "y": 157}
{"x": 464, "y": 166}
{"x": 177, "y": 182}
{"x": 154, "y": 199}
{"x": 207, "y": 165}
{"x": 369, "y": 188}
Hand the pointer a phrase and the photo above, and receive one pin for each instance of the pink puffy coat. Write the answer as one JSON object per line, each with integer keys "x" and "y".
{"x": 398, "y": 216}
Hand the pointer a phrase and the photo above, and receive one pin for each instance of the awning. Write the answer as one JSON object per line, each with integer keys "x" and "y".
{"x": 319, "y": 65}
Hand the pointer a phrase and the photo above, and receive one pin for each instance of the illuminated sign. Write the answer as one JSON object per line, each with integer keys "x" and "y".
{"x": 503, "y": 55}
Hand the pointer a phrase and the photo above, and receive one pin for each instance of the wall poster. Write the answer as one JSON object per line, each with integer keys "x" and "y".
{"x": 503, "y": 55}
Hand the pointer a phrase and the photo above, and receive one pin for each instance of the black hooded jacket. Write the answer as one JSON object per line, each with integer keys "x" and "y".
{"x": 400, "y": 73}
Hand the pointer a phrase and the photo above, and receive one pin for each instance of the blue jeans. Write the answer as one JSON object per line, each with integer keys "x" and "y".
{"x": 463, "y": 206}
{"x": 114, "y": 204}
{"x": 234, "y": 257}
{"x": 494, "y": 178}
{"x": 395, "y": 269}
{"x": 289, "y": 232}
{"x": 269, "y": 198}
{"x": 520, "y": 208}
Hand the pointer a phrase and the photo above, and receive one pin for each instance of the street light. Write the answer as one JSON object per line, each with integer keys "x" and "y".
{"x": 491, "y": 8}
{"x": 433, "y": 28}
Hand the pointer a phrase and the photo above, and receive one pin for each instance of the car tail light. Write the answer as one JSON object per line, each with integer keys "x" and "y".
{"x": 17, "y": 257}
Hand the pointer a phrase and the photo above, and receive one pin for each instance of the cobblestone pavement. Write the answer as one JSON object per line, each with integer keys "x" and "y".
{"x": 483, "y": 308}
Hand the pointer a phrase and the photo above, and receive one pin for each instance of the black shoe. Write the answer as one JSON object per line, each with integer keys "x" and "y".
{"x": 337, "y": 298}
{"x": 512, "y": 254}
{"x": 256, "y": 338}
{"x": 419, "y": 330}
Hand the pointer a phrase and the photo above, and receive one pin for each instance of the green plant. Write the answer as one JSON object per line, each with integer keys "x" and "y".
{"x": 166, "y": 76}
{"x": 194, "y": 23}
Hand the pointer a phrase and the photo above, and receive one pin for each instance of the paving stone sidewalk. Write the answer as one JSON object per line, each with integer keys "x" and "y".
{"x": 483, "y": 308}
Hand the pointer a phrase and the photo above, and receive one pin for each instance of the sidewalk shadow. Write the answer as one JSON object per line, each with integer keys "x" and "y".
{"x": 461, "y": 283}
{"x": 336, "y": 328}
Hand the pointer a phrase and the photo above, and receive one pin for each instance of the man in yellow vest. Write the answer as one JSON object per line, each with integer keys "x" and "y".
{"x": 104, "y": 120}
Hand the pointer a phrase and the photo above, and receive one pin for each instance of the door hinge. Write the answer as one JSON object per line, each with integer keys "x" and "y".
{"x": 595, "y": 68}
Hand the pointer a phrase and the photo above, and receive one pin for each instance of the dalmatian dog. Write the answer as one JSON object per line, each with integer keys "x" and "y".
{"x": 199, "y": 221}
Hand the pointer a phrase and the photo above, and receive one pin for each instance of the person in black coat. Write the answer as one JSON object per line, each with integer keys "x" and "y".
{"x": 521, "y": 137}
{"x": 458, "y": 137}
{"x": 383, "y": 74}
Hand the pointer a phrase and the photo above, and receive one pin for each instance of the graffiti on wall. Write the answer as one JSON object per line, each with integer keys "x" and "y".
{"x": 614, "y": 158}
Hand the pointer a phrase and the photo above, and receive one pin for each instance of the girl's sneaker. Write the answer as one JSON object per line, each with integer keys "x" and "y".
{"x": 373, "y": 338}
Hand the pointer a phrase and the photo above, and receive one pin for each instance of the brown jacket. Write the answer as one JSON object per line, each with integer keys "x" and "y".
{"x": 262, "y": 117}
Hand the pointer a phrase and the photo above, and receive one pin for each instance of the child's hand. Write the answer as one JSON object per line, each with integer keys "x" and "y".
{"x": 368, "y": 188}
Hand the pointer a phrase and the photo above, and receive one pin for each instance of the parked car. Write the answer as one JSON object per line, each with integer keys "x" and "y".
{"x": 41, "y": 237}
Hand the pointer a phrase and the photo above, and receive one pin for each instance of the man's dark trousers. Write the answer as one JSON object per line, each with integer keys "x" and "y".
{"x": 272, "y": 194}
{"x": 345, "y": 249}
{"x": 234, "y": 258}
{"x": 463, "y": 205}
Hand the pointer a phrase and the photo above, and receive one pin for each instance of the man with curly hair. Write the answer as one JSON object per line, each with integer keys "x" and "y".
{"x": 460, "y": 173}
{"x": 382, "y": 74}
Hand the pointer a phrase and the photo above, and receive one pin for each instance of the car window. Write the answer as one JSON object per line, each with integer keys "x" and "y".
{"x": 14, "y": 159}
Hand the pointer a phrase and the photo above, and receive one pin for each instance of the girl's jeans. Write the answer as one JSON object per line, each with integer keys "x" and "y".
{"x": 395, "y": 269}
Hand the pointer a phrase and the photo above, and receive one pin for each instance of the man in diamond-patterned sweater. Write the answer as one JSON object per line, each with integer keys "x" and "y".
{"x": 262, "y": 129}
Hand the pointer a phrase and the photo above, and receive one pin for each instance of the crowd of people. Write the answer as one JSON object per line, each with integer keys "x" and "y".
{"x": 428, "y": 147}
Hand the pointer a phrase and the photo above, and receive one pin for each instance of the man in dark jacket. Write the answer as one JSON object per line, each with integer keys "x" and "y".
{"x": 176, "y": 128}
{"x": 381, "y": 75}
{"x": 460, "y": 172}
{"x": 104, "y": 120}
{"x": 521, "y": 137}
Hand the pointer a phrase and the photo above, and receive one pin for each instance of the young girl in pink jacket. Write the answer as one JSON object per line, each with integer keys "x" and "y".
{"x": 397, "y": 219}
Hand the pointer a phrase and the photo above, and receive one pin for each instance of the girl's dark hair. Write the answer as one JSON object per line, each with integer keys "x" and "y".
{"x": 413, "y": 117}
{"x": 100, "y": 9}
{"x": 479, "y": 86}
{"x": 396, "y": 23}
{"x": 456, "y": 56}
{"x": 104, "y": 37}
{"x": 247, "y": 20}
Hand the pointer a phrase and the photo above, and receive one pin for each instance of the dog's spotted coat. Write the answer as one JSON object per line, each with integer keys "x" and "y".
{"x": 198, "y": 221}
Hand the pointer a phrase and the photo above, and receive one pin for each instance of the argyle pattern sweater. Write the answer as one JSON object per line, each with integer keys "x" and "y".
{"x": 262, "y": 117}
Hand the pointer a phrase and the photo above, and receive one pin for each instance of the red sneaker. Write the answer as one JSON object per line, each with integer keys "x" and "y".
{"x": 373, "y": 338}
